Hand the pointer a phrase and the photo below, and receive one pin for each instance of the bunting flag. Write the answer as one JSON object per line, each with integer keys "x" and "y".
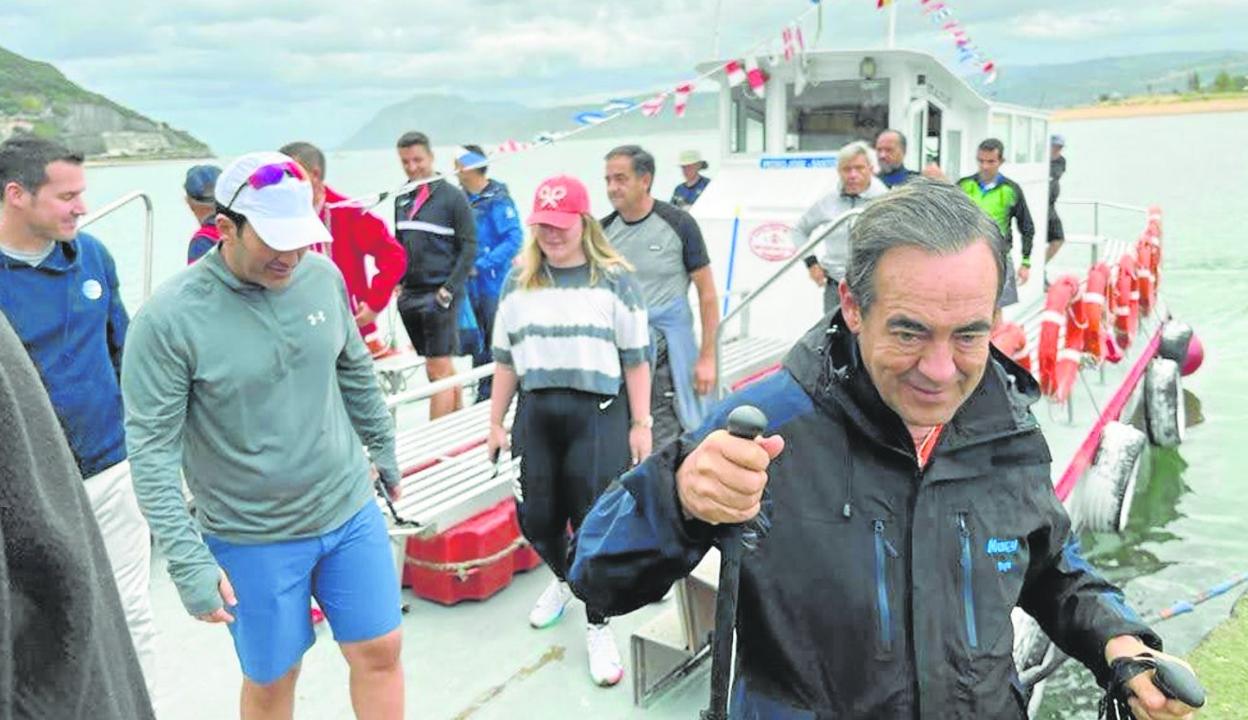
{"x": 589, "y": 117}
{"x": 654, "y": 105}
{"x": 735, "y": 72}
{"x": 542, "y": 138}
{"x": 754, "y": 75}
{"x": 792, "y": 41}
{"x": 681, "y": 100}
{"x": 616, "y": 105}
{"x": 511, "y": 146}
{"x": 940, "y": 13}
{"x": 882, "y": 3}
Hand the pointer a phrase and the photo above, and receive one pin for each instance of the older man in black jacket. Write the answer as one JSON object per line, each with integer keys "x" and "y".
{"x": 911, "y": 513}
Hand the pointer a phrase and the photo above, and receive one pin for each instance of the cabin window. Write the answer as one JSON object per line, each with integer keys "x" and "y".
{"x": 749, "y": 122}
{"x": 1020, "y": 151}
{"x": 827, "y": 116}
{"x": 1040, "y": 140}
{"x": 1001, "y": 131}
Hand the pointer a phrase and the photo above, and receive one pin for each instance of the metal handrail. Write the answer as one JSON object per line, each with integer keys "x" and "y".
{"x": 814, "y": 240}
{"x": 148, "y": 245}
{"x": 1096, "y": 213}
{"x": 449, "y": 382}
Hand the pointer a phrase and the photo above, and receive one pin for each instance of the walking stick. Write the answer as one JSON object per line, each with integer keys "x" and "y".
{"x": 744, "y": 422}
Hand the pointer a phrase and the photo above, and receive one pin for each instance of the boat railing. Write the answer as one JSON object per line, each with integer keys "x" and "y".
{"x": 743, "y": 307}
{"x": 1097, "y": 239}
{"x": 148, "y": 245}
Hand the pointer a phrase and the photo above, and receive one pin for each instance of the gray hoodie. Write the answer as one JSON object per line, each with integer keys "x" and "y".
{"x": 261, "y": 398}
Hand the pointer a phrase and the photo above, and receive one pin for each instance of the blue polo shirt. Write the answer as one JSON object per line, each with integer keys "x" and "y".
{"x": 68, "y": 313}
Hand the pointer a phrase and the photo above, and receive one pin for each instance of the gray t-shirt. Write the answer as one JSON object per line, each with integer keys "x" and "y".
{"x": 664, "y": 247}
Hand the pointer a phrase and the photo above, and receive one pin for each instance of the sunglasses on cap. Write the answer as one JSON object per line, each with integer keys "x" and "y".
{"x": 267, "y": 175}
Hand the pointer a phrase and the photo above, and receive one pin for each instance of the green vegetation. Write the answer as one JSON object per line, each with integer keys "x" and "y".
{"x": 37, "y": 94}
{"x": 1221, "y": 662}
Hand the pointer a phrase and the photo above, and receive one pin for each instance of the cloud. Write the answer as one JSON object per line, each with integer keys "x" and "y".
{"x": 246, "y": 74}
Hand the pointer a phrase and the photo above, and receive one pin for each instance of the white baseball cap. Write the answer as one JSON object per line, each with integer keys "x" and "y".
{"x": 273, "y": 193}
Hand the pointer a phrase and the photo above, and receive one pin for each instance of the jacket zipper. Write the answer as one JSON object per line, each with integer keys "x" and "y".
{"x": 968, "y": 593}
{"x": 883, "y": 550}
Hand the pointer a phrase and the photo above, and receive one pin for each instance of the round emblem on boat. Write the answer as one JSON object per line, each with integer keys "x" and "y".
{"x": 771, "y": 242}
{"x": 92, "y": 290}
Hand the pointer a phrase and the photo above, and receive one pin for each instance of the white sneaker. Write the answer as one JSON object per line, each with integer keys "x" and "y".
{"x": 604, "y": 658}
{"x": 549, "y": 607}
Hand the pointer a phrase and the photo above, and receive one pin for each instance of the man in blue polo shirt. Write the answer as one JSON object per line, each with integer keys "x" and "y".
{"x": 59, "y": 291}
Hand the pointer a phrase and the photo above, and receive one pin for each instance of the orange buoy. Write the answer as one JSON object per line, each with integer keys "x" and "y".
{"x": 1062, "y": 293}
{"x": 1126, "y": 301}
{"x": 1011, "y": 339}
{"x": 1094, "y": 307}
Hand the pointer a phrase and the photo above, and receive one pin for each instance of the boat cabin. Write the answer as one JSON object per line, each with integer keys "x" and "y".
{"x": 778, "y": 156}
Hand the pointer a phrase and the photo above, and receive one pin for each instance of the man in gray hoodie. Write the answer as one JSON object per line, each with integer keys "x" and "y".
{"x": 245, "y": 372}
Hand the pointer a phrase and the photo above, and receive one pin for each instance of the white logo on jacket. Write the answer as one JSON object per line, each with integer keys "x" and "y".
{"x": 92, "y": 289}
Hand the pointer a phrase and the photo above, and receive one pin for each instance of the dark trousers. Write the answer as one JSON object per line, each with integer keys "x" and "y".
{"x": 663, "y": 397}
{"x": 484, "y": 307}
{"x": 574, "y": 445}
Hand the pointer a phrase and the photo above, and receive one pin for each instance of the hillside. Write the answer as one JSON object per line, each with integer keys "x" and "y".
{"x": 36, "y": 98}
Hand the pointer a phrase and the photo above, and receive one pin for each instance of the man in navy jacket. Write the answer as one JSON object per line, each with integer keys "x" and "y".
{"x": 59, "y": 291}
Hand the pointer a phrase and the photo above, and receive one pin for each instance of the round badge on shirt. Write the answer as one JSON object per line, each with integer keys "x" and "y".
{"x": 92, "y": 289}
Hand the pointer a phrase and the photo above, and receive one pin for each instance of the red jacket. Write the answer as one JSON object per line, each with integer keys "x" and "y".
{"x": 356, "y": 234}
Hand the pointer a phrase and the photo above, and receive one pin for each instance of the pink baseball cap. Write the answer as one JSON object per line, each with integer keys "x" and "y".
{"x": 559, "y": 201}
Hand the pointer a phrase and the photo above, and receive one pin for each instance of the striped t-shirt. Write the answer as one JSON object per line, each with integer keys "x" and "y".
{"x": 571, "y": 334}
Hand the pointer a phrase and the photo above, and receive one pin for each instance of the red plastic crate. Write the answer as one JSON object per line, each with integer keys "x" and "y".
{"x": 471, "y": 561}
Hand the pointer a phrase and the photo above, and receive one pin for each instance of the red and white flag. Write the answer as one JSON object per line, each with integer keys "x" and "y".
{"x": 654, "y": 105}
{"x": 735, "y": 72}
{"x": 754, "y": 75}
{"x": 681, "y": 100}
{"x": 793, "y": 43}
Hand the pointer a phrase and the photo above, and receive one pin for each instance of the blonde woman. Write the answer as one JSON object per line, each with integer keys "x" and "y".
{"x": 571, "y": 329}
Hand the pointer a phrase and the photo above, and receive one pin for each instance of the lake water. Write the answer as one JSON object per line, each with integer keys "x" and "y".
{"x": 1187, "y": 530}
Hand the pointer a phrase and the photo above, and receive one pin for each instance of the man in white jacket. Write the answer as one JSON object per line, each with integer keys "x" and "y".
{"x": 856, "y": 185}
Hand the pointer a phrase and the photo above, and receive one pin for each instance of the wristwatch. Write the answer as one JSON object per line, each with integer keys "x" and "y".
{"x": 647, "y": 422}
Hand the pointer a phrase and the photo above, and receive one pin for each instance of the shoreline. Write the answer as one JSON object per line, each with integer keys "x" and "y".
{"x": 1151, "y": 107}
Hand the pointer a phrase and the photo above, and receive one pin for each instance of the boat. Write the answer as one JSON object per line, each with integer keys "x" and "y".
{"x": 469, "y": 651}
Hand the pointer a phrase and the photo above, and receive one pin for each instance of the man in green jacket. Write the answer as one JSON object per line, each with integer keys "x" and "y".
{"x": 246, "y": 374}
{"x": 1002, "y": 199}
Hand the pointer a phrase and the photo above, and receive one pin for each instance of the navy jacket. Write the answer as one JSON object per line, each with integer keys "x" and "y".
{"x": 69, "y": 315}
{"x": 498, "y": 238}
{"x": 881, "y": 590}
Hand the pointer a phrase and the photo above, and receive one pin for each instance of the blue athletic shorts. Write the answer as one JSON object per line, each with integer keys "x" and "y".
{"x": 350, "y": 571}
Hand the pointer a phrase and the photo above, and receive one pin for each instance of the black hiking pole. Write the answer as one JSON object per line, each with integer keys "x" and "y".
{"x": 1172, "y": 679}
{"x": 744, "y": 422}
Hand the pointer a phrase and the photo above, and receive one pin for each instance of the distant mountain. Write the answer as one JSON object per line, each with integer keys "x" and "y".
{"x": 450, "y": 119}
{"x": 1085, "y": 82}
{"x": 36, "y": 98}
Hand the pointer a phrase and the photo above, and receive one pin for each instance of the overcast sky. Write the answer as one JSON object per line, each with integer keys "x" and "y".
{"x": 247, "y": 74}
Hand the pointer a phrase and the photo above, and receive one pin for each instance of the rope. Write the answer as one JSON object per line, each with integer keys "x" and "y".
{"x": 464, "y": 568}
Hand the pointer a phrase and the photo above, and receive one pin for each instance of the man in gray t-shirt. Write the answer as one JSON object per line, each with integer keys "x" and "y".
{"x": 665, "y": 246}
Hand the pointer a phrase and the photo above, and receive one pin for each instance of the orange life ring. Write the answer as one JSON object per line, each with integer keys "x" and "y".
{"x": 1144, "y": 274}
{"x": 1011, "y": 339}
{"x": 1094, "y": 307}
{"x": 1057, "y": 307}
{"x": 1126, "y": 301}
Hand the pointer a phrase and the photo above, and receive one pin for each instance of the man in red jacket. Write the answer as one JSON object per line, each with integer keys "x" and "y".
{"x": 356, "y": 233}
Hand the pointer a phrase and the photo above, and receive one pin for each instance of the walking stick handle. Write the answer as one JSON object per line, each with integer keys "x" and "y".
{"x": 746, "y": 422}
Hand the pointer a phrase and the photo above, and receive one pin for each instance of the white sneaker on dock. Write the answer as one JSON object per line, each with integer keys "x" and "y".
{"x": 549, "y": 607}
{"x": 604, "y": 658}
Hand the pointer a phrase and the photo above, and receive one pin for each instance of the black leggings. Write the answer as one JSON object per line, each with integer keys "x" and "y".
{"x": 573, "y": 444}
